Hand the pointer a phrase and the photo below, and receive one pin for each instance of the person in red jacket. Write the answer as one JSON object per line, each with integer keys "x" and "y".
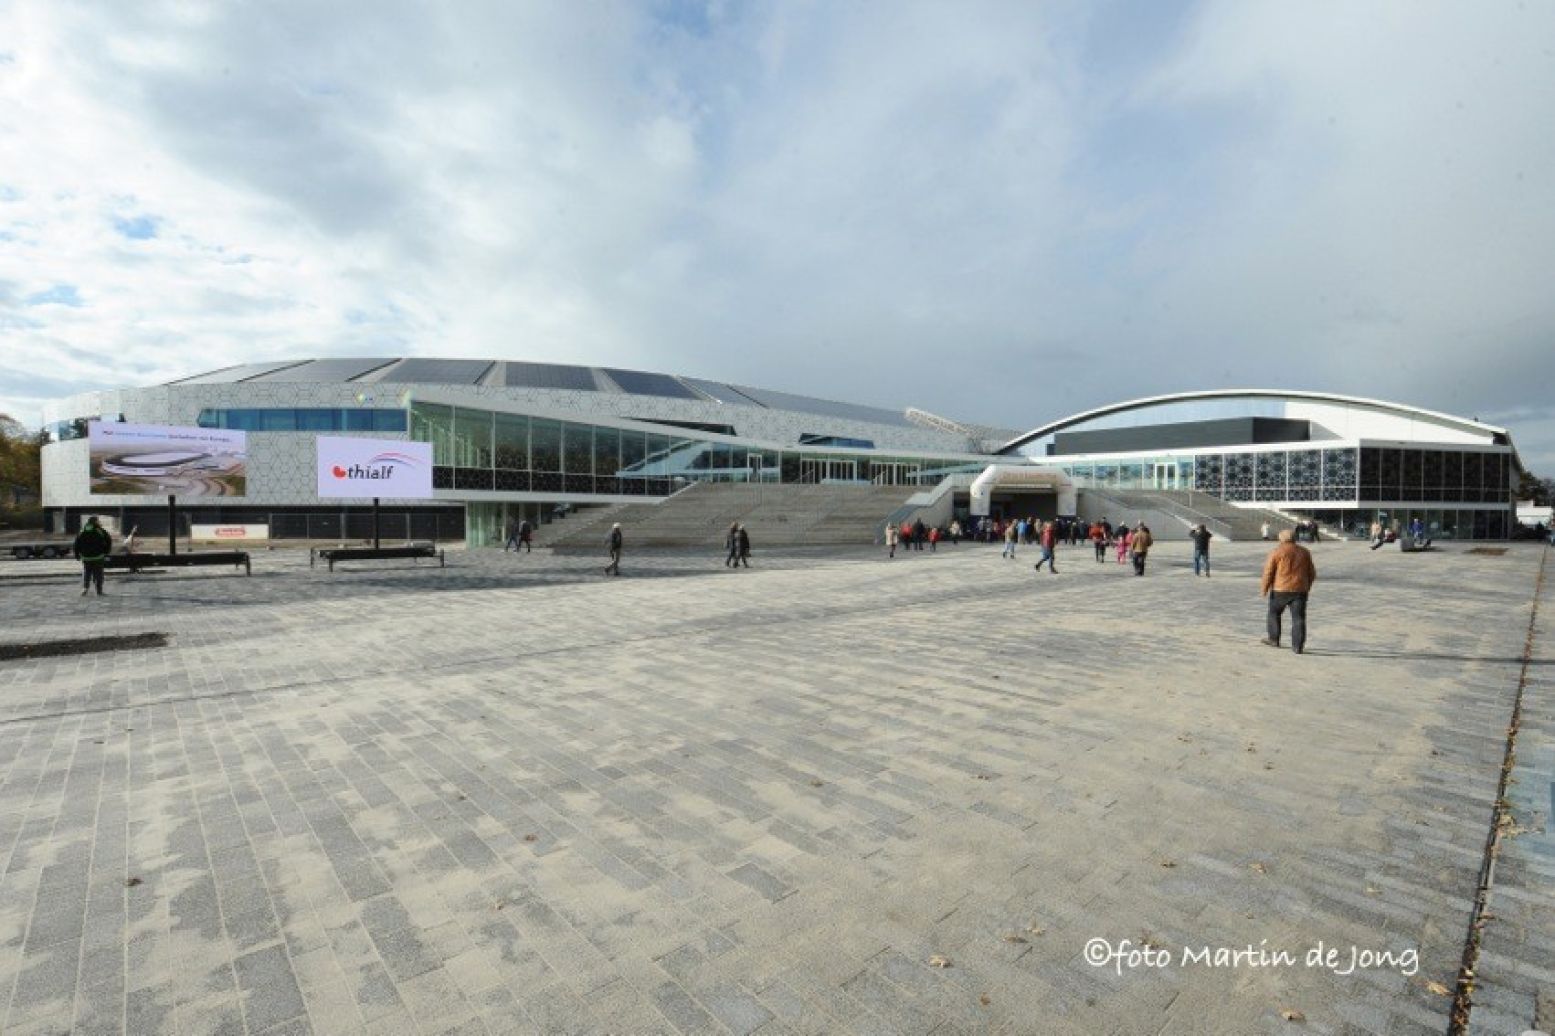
{"x": 1047, "y": 540}
{"x": 1098, "y": 538}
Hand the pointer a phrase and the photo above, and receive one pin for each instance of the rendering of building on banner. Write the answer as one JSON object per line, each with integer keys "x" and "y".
{"x": 509, "y": 439}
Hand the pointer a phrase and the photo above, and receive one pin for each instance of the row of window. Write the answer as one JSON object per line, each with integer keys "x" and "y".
{"x": 305, "y": 419}
{"x": 1337, "y": 475}
{"x": 487, "y": 449}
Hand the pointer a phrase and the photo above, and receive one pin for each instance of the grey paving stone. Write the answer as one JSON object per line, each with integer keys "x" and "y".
{"x": 270, "y": 993}
{"x": 685, "y": 802}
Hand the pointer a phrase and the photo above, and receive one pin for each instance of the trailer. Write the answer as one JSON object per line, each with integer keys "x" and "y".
{"x": 41, "y": 549}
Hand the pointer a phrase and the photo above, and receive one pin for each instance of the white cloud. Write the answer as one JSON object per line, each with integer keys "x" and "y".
{"x": 1001, "y": 212}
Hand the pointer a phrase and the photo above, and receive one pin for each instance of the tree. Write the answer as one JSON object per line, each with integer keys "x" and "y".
{"x": 21, "y": 465}
{"x": 1531, "y": 487}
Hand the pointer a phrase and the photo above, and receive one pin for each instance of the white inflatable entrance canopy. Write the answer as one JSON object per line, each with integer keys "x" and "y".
{"x": 1023, "y": 478}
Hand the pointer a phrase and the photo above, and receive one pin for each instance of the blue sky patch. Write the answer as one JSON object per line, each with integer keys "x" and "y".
{"x": 59, "y": 295}
{"x": 136, "y": 228}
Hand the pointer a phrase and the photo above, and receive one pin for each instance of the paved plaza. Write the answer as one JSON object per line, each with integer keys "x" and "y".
{"x": 833, "y": 793}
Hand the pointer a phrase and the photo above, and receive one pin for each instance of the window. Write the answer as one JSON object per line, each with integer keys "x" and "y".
{"x": 545, "y": 444}
{"x": 304, "y": 419}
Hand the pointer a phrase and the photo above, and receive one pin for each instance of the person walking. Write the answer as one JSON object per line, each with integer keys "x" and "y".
{"x": 1047, "y": 541}
{"x": 92, "y": 546}
{"x": 1288, "y": 575}
{"x": 955, "y": 532}
{"x": 1263, "y": 531}
{"x": 613, "y": 544}
{"x": 1139, "y": 547}
{"x": 1098, "y": 538}
{"x": 510, "y": 535}
{"x": 892, "y": 533}
{"x": 526, "y": 536}
{"x": 744, "y": 542}
{"x": 1200, "y": 536}
{"x": 919, "y": 534}
{"x": 1376, "y": 535}
{"x": 732, "y": 546}
{"x": 1011, "y": 531}
{"x": 934, "y": 540}
{"x": 1125, "y": 540}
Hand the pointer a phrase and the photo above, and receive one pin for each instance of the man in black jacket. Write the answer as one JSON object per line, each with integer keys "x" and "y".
{"x": 93, "y": 545}
{"x": 1200, "y": 537}
{"x": 613, "y": 543}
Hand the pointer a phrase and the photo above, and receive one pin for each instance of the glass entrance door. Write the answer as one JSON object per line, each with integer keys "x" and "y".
{"x": 823, "y": 469}
{"x": 1163, "y": 475}
{"x": 892, "y": 473}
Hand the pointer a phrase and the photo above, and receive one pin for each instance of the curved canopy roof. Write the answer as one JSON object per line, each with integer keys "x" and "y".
{"x": 1285, "y": 395}
{"x": 518, "y": 374}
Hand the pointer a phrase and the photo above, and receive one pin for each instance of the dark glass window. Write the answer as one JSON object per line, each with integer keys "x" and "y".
{"x": 607, "y": 452}
{"x": 1388, "y": 481}
{"x": 316, "y": 420}
{"x": 1473, "y": 470}
{"x": 1412, "y": 478}
{"x": 577, "y": 451}
{"x": 1431, "y": 479}
{"x": 511, "y": 442}
{"x": 545, "y": 446}
{"x": 1452, "y": 476}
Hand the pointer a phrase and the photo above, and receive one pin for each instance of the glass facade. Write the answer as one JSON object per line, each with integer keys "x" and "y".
{"x": 487, "y": 450}
{"x": 1385, "y": 484}
{"x": 304, "y": 419}
{"x": 1344, "y": 475}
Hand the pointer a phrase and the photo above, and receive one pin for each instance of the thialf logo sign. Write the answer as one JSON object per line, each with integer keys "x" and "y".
{"x": 374, "y": 468}
{"x": 380, "y": 466}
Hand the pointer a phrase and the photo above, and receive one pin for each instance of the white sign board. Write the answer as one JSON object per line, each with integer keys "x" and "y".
{"x": 166, "y": 460}
{"x": 228, "y": 533}
{"x": 374, "y": 467}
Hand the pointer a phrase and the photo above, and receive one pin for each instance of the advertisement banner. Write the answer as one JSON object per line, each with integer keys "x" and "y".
{"x": 228, "y": 533}
{"x": 374, "y": 467}
{"x": 166, "y": 460}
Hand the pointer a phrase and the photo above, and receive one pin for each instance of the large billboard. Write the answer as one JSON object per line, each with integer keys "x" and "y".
{"x": 166, "y": 460}
{"x": 374, "y": 467}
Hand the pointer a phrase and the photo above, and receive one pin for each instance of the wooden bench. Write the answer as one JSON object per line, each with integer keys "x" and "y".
{"x": 144, "y": 559}
{"x": 414, "y": 551}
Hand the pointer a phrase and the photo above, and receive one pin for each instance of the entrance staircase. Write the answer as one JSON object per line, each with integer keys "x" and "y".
{"x": 774, "y": 515}
{"x": 1185, "y": 509}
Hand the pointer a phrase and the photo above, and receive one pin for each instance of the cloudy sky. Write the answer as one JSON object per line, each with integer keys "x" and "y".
{"x": 1003, "y": 212}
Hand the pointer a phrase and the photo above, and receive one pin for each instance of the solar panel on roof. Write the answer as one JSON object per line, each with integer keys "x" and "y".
{"x": 826, "y": 407}
{"x": 639, "y": 383}
{"x": 720, "y": 392}
{"x": 430, "y": 371}
{"x": 518, "y": 374}
{"x": 326, "y": 371}
{"x": 242, "y": 372}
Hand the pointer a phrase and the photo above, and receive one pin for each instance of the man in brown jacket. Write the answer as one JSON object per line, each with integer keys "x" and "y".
{"x": 1287, "y": 578}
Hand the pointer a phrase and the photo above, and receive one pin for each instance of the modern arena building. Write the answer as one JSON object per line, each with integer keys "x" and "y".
{"x": 522, "y": 439}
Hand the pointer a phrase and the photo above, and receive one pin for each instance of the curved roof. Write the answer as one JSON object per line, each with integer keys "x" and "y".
{"x": 1399, "y": 409}
{"x": 516, "y": 374}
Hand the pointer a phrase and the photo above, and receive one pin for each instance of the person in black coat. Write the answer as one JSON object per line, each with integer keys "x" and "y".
{"x": 92, "y": 546}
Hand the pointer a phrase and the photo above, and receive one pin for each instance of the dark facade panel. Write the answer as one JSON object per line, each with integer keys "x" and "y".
{"x": 720, "y": 393}
{"x": 242, "y": 372}
{"x": 824, "y": 407}
{"x": 1231, "y": 431}
{"x": 326, "y": 371}
{"x": 639, "y": 383}
{"x": 431, "y": 371}
{"x": 518, "y": 374}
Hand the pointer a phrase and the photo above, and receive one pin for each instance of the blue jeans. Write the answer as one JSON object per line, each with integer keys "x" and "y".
{"x": 1198, "y": 556}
